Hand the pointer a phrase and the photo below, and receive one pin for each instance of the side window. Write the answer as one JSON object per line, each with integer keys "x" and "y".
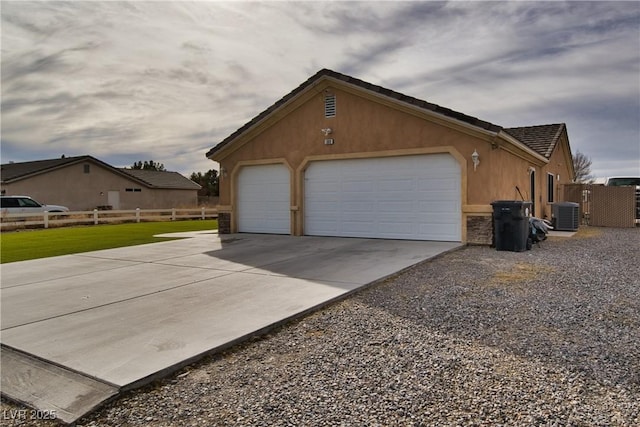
{"x": 9, "y": 203}
{"x": 28, "y": 203}
{"x": 550, "y": 187}
{"x": 87, "y": 168}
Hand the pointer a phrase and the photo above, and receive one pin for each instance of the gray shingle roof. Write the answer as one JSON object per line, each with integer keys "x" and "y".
{"x": 162, "y": 179}
{"x": 13, "y": 171}
{"x": 542, "y": 139}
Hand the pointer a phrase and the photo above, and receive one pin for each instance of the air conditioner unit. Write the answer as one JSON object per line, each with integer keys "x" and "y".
{"x": 566, "y": 216}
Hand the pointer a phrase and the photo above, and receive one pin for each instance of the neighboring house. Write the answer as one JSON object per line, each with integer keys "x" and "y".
{"x": 341, "y": 157}
{"x": 85, "y": 183}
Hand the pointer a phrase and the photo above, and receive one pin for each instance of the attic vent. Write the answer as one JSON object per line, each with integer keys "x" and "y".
{"x": 330, "y": 106}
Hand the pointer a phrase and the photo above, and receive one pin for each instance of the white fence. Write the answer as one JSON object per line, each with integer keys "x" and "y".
{"x": 46, "y": 219}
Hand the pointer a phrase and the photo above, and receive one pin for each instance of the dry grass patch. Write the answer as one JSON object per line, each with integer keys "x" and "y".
{"x": 520, "y": 272}
{"x": 586, "y": 232}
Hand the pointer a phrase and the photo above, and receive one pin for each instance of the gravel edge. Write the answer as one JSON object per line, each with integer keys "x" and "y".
{"x": 475, "y": 337}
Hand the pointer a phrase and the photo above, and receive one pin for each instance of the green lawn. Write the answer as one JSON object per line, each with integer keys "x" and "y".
{"x": 31, "y": 244}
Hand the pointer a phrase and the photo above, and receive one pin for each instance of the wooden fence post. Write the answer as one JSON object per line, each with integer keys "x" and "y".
{"x": 203, "y": 213}
{"x": 95, "y": 217}
{"x": 137, "y": 214}
{"x": 46, "y": 219}
{"x": 173, "y": 214}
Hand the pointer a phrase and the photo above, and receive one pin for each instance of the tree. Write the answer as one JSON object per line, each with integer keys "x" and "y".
{"x": 208, "y": 181}
{"x": 582, "y": 168}
{"x": 148, "y": 166}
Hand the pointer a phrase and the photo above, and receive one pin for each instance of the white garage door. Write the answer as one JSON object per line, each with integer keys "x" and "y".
{"x": 407, "y": 197}
{"x": 264, "y": 199}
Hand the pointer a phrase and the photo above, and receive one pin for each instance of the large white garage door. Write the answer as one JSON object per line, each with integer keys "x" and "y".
{"x": 407, "y": 197}
{"x": 264, "y": 199}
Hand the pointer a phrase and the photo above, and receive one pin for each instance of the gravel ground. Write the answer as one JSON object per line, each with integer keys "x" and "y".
{"x": 477, "y": 337}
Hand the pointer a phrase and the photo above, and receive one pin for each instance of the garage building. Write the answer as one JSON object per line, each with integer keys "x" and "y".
{"x": 338, "y": 156}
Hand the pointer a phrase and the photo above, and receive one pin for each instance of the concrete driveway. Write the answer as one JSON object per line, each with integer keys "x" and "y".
{"x": 79, "y": 329}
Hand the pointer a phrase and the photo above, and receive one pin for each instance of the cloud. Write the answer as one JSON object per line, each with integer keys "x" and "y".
{"x": 168, "y": 80}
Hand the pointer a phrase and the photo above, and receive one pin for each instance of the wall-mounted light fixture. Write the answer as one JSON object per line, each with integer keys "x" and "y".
{"x": 223, "y": 172}
{"x": 327, "y": 132}
{"x": 475, "y": 158}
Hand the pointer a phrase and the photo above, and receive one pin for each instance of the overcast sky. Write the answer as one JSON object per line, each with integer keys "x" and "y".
{"x": 166, "y": 81}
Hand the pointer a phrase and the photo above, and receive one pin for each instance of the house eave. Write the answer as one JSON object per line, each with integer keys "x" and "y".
{"x": 78, "y": 160}
{"x": 416, "y": 110}
{"x": 227, "y": 146}
{"x": 513, "y": 141}
{"x": 45, "y": 170}
{"x": 410, "y": 105}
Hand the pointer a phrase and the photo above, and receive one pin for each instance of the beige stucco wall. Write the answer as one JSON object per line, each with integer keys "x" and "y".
{"x": 79, "y": 191}
{"x": 560, "y": 165}
{"x": 365, "y": 126}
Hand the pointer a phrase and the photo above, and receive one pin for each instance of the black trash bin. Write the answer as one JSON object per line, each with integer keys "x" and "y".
{"x": 511, "y": 225}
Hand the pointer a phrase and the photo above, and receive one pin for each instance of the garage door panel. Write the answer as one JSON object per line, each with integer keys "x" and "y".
{"x": 397, "y": 227}
{"x": 357, "y": 226}
{"x": 439, "y": 218}
{"x": 448, "y": 184}
{"x": 395, "y": 206}
{"x": 430, "y": 209}
{"x": 398, "y": 184}
{"x": 444, "y": 201}
{"x": 264, "y": 199}
{"x": 326, "y": 228}
{"x": 396, "y": 196}
{"x": 358, "y": 186}
{"x": 406, "y": 197}
{"x": 348, "y": 219}
{"x": 357, "y": 206}
{"x": 329, "y": 206}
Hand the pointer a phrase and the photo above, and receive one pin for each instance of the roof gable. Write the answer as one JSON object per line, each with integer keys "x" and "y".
{"x": 379, "y": 90}
{"x": 152, "y": 179}
{"x": 15, "y": 171}
{"x": 542, "y": 139}
{"x": 537, "y": 140}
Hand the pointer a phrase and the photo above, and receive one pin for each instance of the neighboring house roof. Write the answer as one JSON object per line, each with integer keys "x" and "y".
{"x": 542, "y": 139}
{"x": 537, "y": 141}
{"x": 15, "y": 171}
{"x": 11, "y": 172}
{"x": 162, "y": 179}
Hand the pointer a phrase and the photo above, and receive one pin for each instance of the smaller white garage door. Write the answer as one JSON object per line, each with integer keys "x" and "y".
{"x": 407, "y": 197}
{"x": 263, "y": 199}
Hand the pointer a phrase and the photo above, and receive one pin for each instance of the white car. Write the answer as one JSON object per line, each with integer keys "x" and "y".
{"x": 25, "y": 204}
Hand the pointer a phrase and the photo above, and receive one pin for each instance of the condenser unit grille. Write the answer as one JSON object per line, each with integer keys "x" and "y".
{"x": 566, "y": 216}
